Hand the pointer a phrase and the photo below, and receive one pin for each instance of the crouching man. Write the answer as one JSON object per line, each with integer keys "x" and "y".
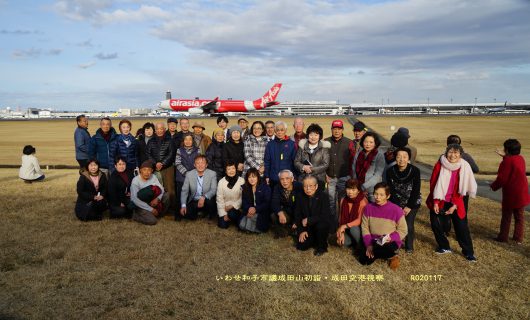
{"x": 148, "y": 196}
{"x": 283, "y": 202}
{"x": 198, "y": 191}
{"x": 312, "y": 217}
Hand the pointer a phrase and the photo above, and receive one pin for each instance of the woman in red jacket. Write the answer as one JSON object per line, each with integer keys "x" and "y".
{"x": 451, "y": 179}
{"x": 511, "y": 177}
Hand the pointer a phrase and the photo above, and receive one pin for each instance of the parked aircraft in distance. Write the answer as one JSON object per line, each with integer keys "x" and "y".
{"x": 199, "y": 106}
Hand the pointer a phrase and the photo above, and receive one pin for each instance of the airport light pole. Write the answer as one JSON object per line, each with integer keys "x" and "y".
{"x": 475, "y": 102}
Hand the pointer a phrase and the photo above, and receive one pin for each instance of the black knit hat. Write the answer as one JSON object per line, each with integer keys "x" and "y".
{"x": 399, "y": 140}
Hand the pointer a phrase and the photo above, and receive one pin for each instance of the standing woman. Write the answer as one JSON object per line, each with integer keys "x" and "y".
{"x": 350, "y": 215}
{"x": 256, "y": 199}
{"x": 255, "y": 148}
{"x": 148, "y": 130}
{"x": 214, "y": 153}
{"x": 312, "y": 157}
{"x": 451, "y": 179}
{"x": 234, "y": 150}
{"x": 405, "y": 182}
{"x": 369, "y": 163}
{"x": 125, "y": 146}
{"x": 91, "y": 191}
{"x": 30, "y": 169}
{"x": 511, "y": 177}
{"x": 119, "y": 191}
{"x": 383, "y": 227}
{"x": 229, "y": 197}
{"x": 184, "y": 163}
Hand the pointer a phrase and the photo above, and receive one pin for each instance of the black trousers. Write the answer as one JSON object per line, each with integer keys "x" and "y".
{"x": 234, "y": 215}
{"x": 438, "y": 221}
{"x": 386, "y": 251}
{"x": 209, "y": 209}
{"x": 317, "y": 237}
{"x": 119, "y": 212}
{"x": 409, "y": 239}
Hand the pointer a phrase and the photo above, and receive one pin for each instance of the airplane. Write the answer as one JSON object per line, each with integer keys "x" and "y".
{"x": 199, "y": 106}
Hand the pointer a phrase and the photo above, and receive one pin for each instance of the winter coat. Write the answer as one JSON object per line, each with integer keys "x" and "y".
{"x": 161, "y": 150}
{"x": 99, "y": 148}
{"x": 82, "y": 141}
{"x": 279, "y": 155}
{"x": 319, "y": 159}
{"x": 118, "y": 189}
{"x": 214, "y": 154}
{"x": 127, "y": 147}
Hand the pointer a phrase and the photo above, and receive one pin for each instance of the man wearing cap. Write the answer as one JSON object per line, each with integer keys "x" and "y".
{"x": 279, "y": 155}
{"x": 242, "y": 121}
{"x": 172, "y": 131}
{"x": 147, "y": 195}
{"x": 340, "y": 158}
{"x": 198, "y": 191}
{"x": 299, "y": 133}
{"x": 200, "y": 140}
{"x": 414, "y": 152}
{"x": 359, "y": 129}
{"x": 160, "y": 150}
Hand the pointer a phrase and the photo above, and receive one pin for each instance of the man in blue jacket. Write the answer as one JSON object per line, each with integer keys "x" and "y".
{"x": 279, "y": 154}
{"x": 81, "y": 140}
{"x": 99, "y": 147}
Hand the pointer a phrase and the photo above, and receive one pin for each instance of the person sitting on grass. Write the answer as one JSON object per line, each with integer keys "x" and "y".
{"x": 229, "y": 197}
{"x": 350, "y": 213}
{"x": 148, "y": 196}
{"x": 511, "y": 177}
{"x": 283, "y": 203}
{"x": 383, "y": 227}
{"x": 91, "y": 192}
{"x": 198, "y": 192}
{"x": 30, "y": 169}
{"x": 119, "y": 193}
{"x": 256, "y": 197}
{"x": 313, "y": 217}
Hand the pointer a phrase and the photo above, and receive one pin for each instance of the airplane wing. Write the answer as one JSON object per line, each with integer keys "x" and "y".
{"x": 210, "y": 106}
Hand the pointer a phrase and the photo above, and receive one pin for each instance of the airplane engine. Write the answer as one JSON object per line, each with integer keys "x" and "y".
{"x": 195, "y": 111}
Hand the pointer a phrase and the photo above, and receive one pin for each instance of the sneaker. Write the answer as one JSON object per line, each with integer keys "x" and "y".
{"x": 393, "y": 263}
{"x": 471, "y": 258}
{"x": 409, "y": 251}
{"x": 443, "y": 251}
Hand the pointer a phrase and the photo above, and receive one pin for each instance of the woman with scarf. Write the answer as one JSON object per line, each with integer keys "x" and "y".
{"x": 369, "y": 164}
{"x": 184, "y": 162}
{"x": 351, "y": 209}
{"x": 312, "y": 157}
{"x": 254, "y": 149}
{"x": 451, "y": 179}
{"x": 119, "y": 192}
{"x": 405, "y": 183}
{"x": 147, "y": 132}
{"x": 91, "y": 193}
{"x": 229, "y": 197}
{"x": 214, "y": 153}
{"x": 256, "y": 198}
{"x": 125, "y": 146}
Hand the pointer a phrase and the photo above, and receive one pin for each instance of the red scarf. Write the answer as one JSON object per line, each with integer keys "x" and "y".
{"x": 123, "y": 175}
{"x": 156, "y": 192}
{"x": 347, "y": 215}
{"x": 363, "y": 164}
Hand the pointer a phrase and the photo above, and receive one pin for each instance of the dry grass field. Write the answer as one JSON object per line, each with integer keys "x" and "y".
{"x": 480, "y": 135}
{"x": 54, "y": 139}
{"x": 53, "y": 266}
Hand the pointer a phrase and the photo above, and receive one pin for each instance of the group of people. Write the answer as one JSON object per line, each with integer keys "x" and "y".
{"x": 257, "y": 177}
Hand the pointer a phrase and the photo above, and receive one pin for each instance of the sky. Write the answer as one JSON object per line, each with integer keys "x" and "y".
{"x": 110, "y": 54}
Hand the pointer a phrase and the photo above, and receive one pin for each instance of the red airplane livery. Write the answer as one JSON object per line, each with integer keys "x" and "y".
{"x": 198, "y": 106}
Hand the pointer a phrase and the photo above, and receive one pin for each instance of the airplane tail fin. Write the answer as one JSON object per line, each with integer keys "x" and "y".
{"x": 269, "y": 98}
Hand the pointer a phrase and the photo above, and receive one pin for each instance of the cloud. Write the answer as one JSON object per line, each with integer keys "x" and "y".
{"x": 20, "y": 32}
{"x": 35, "y": 53}
{"x": 87, "y": 65}
{"x": 101, "y": 12}
{"x": 85, "y": 44}
{"x": 109, "y": 56}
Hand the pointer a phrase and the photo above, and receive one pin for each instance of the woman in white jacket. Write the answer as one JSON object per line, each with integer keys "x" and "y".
{"x": 229, "y": 197}
{"x": 30, "y": 170}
